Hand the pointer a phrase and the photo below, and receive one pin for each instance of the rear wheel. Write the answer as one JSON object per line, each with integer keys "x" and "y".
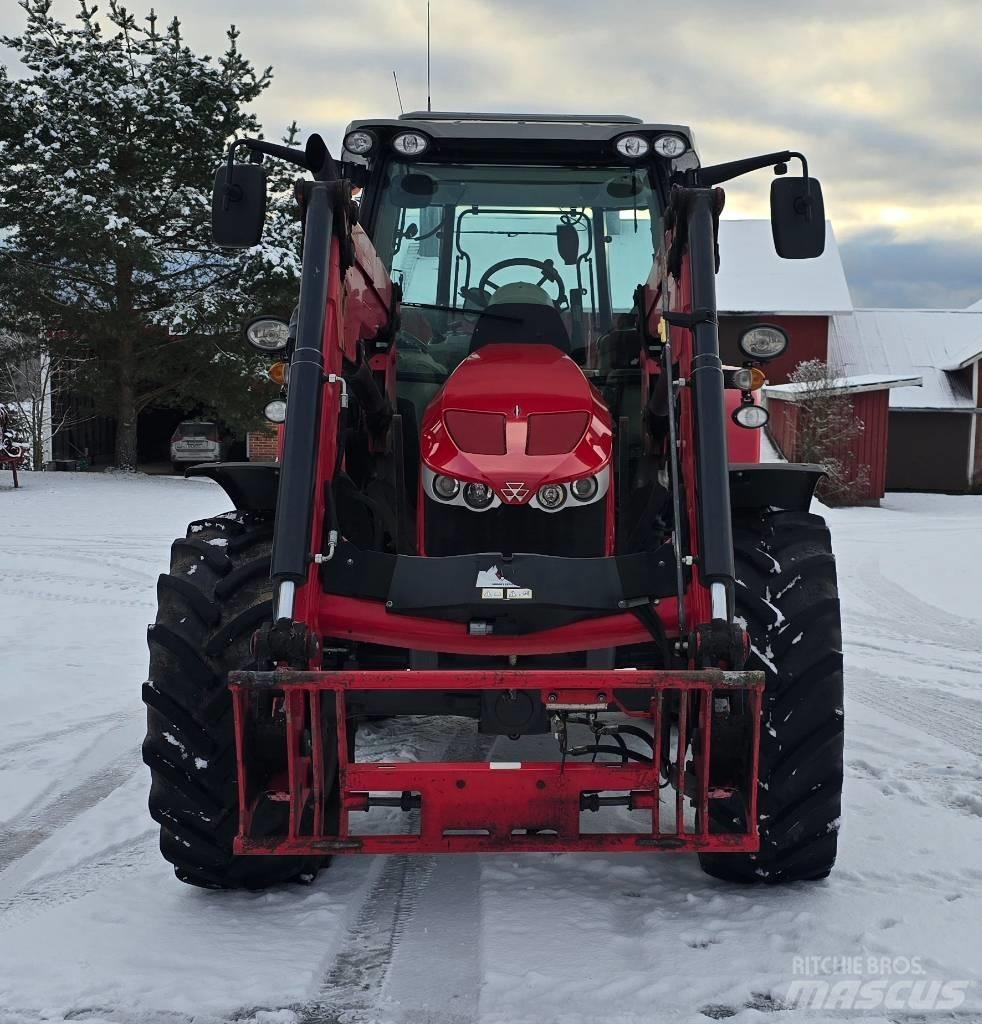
{"x": 216, "y": 595}
{"x": 787, "y": 594}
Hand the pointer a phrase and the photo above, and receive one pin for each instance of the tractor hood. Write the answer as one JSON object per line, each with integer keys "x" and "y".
{"x": 517, "y": 417}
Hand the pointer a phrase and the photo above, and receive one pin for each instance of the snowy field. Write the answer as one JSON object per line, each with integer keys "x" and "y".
{"x": 94, "y": 927}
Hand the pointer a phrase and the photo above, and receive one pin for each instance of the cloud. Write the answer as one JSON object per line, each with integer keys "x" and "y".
{"x": 885, "y": 271}
{"x": 882, "y": 95}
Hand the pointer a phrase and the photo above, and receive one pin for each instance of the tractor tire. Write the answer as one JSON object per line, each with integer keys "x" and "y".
{"x": 787, "y": 595}
{"x": 216, "y": 595}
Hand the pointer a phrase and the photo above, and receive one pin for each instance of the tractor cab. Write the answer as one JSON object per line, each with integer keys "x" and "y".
{"x": 518, "y": 352}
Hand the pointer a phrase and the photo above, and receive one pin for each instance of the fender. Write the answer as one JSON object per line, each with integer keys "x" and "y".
{"x": 773, "y": 485}
{"x": 251, "y": 486}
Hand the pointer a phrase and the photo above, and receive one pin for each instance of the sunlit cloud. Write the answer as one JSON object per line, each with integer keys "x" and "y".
{"x": 882, "y": 95}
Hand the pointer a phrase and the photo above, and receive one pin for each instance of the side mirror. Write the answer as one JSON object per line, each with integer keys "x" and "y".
{"x": 238, "y": 210}
{"x": 798, "y": 218}
{"x": 568, "y": 244}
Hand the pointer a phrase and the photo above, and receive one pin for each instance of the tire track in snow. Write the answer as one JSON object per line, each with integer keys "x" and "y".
{"x": 945, "y": 716}
{"x": 73, "y": 580}
{"x": 105, "y": 765}
{"x": 353, "y": 987}
{"x": 901, "y": 612}
{"x": 86, "y": 599}
{"x": 64, "y": 808}
{"x": 22, "y": 747}
{"x": 103, "y": 561}
{"x": 47, "y": 891}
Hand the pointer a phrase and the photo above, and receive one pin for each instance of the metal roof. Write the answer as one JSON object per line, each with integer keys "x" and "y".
{"x": 449, "y": 115}
{"x": 853, "y": 385}
{"x": 754, "y": 279}
{"x": 527, "y": 128}
{"x": 934, "y": 344}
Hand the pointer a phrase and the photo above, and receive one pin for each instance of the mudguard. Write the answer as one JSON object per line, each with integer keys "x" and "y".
{"x": 251, "y": 486}
{"x": 784, "y": 485}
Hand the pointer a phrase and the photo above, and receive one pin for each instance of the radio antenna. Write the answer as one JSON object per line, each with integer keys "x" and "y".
{"x": 429, "y": 102}
{"x": 395, "y": 78}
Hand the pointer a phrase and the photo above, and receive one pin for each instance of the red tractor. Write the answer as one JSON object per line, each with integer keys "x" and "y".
{"x": 504, "y": 494}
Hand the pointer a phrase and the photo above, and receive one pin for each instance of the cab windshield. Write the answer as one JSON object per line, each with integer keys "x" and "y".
{"x": 452, "y": 235}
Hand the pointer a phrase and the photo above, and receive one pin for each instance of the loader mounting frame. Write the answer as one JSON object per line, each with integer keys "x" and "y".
{"x": 496, "y": 806}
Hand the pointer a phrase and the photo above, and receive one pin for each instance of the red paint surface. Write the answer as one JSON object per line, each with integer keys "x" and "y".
{"x": 357, "y": 619}
{"x": 502, "y": 807}
{"x": 519, "y": 382}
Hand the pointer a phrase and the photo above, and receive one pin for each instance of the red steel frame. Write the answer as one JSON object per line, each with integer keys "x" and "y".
{"x": 357, "y": 307}
{"x": 489, "y": 807}
{"x": 480, "y": 806}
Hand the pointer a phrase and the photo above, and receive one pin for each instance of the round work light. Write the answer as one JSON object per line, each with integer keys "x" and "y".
{"x": 670, "y": 146}
{"x": 411, "y": 144}
{"x": 634, "y": 147}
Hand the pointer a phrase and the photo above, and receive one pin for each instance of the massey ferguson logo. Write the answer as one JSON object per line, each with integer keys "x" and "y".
{"x": 515, "y": 490}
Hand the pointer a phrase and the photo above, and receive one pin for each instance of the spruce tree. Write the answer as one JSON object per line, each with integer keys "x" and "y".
{"x": 108, "y": 148}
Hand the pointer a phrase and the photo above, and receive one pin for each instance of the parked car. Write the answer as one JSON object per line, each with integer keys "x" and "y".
{"x": 194, "y": 442}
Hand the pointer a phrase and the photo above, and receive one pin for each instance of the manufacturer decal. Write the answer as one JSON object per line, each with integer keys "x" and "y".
{"x": 515, "y": 490}
{"x": 495, "y": 587}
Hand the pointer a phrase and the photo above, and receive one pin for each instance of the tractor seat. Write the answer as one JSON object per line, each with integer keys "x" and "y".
{"x": 520, "y": 314}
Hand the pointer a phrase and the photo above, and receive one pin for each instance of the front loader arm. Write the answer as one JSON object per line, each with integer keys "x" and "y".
{"x": 678, "y": 305}
{"x": 345, "y": 297}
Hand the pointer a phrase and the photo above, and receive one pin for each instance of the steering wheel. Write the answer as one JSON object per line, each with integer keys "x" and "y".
{"x": 546, "y": 267}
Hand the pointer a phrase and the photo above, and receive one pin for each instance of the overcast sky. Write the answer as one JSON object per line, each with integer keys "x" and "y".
{"x": 883, "y": 96}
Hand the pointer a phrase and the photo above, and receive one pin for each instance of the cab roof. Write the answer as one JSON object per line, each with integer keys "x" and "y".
{"x": 456, "y": 133}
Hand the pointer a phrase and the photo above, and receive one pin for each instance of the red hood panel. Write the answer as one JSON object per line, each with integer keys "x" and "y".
{"x": 519, "y": 381}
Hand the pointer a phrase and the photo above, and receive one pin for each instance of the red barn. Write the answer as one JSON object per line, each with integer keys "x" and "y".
{"x": 935, "y": 431}
{"x": 756, "y": 286}
{"x": 869, "y": 396}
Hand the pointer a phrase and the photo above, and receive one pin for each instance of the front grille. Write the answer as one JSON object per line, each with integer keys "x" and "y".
{"x": 574, "y": 532}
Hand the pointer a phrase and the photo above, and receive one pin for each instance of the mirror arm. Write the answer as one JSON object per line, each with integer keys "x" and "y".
{"x": 301, "y": 158}
{"x": 716, "y": 174}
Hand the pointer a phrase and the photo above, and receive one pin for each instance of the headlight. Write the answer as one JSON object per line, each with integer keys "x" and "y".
{"x": 634, "y": 147}
{"x": 584, "y": 489}
{"x": 476, "y": 496}
{"x": 763, "y": 342}
{"x": 268, "y": 334}
{"x": 445, "y": 487}
{"x": 275, "y": 411}
{"x": 552, "y": 496}
{"x": 360, "y": 142}
{"x": 411, "y": 143}
{"x": 670, "y": 146}
{"x": 753, "y": 417}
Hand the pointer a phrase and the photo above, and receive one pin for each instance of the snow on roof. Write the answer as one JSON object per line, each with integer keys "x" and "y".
{"x": 976, "y": 307}
{"x": 930, "y": 343}
{"x": 853, "y": 385}
{"x": 754, "y": 279}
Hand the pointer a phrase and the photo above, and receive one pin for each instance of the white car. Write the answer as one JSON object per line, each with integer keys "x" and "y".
{"x": 194, "y": 442}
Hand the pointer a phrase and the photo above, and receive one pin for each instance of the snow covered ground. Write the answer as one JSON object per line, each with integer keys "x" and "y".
{"x": 93, "y": 926}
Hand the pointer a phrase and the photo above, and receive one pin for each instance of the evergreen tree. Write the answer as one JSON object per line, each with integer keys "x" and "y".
{"x": 108, "y": 148}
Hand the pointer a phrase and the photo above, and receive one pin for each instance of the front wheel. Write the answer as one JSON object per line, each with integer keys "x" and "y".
{"x": 216, "y": 595}
{"x": 787, "y": 599}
